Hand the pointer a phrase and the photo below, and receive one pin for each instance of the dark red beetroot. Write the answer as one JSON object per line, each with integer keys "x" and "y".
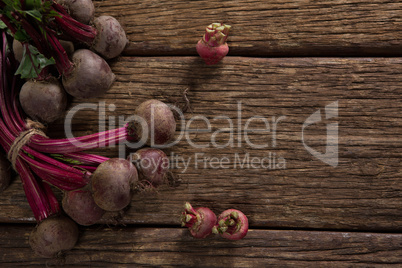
{"x": 81, "y": 10}
{"x": 110, "y": 39}
{"x": 160, "y": 123}
{"x": 152, "y": 165}
{"x": 232, "y": 224}
{"x": 81, "y": 207}
{"x": 53, "y": 236}
{"x": 199, "y": 221}
{"x": 44, "y": 101}
{"x": 112, "y": 184}
{"x": 5, "y": 172}
{"x": 213, "y": 47}
{"x": 91, "y": 76}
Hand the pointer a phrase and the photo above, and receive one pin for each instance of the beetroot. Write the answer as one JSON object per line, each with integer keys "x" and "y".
{"x": 110, "y": 39}
{"x": 44, "y": 101}
{"x": 160, "y": 124}
{"x": 18, "y": 50}
{"x": 199, "y": 221}
{"x": 213, "y": 47}
{"x": 53, "y": 236}
{"x": 90, "y": 77}
{"x": 5, "y": 172}
{"x": 81, "y": 207}
{"x": 68, "y": 47}
{"x": 112, "y": 184}
{"x": 152, "y": 165}
{"x": 232, "y": 224}
{"x": 81, "y": 10}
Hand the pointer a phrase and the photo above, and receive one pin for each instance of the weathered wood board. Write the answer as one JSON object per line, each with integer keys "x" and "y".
{"x": 263, "y": 28}
{"x": 171, "y": 247}
{"x": 360, "y": 98}
{"x": 362, "y": 192}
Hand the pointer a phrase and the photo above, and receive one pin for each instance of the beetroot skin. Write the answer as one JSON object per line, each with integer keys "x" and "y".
{"x": 91, "y": 76}
{"x": 81, "y": 207}
{"x": 159, "y": 122}
{"x": 232, "y": 224}
{"x": 53, "y": 236}
{"x": 44, "y": 101}
{"x": 152, "y": 165}
{"x": 112, "y": 184}
{"x": 111, "y": 38}
{"x": 81, "y": 10}
{"x": 199, "y": 221}
{"x": 213, "y": 47}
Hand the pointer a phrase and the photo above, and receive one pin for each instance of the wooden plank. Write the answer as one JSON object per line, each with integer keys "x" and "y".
{"x": 363, "y": 192}
{"x": 174, "y": 247}
{"x": 262, "y": 28}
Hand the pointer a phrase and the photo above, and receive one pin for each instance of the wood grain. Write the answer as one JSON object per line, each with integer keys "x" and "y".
{"x": 262, "y": 28}
{"x": 174, "y": 247}
{"x": 363, "y": 192}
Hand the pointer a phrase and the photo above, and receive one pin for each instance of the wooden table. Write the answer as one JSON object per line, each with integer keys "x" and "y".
{"x": 287, "y": 60}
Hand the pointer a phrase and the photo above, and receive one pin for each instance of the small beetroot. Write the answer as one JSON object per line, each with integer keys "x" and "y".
{"x": 158, "y": 126}
{"x": 213, "y": 47}
{"x": 152, "y": 165}
{"x": 232, "y": 224}
{"x": 81, "y": 10}
{"x": 18, "y": 50}
{"x": 199, "y": 221}
{"x": 44, "y": 101}
{"x": 91, "y": 76}
{"x": 111, "y": 39}
{"x": 53, "y": 236}
{"x": 81, "y": 207}
{"x": 113, "y": 183}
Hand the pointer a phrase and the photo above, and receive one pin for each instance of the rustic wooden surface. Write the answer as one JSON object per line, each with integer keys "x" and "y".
{"x": 362, "y": 192}
{"x": 349, "y": 215}
{"x": 263, "y": 28}
{"x": 172, "y": 247}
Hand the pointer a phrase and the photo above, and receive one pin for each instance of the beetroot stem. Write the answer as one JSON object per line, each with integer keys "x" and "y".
{"x": 4, "y": 106}
{"x": 190, "y": 216}
{"x": 86, "y": 159}
{"x": 37, "y": 38}
{"x": 63, "y": 64}
{"x": 92, "y": 141}
{"x": 35, "y": 195}
{"x": 76, "y": 30}
{"x": 56, "y": 181}
{"x": 54, "y": 203}
{"x": 8, "y": 23}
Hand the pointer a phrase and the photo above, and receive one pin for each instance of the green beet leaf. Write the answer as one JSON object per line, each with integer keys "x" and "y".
{"x": 32, "y": 62}
{"x": 2, "y": 25}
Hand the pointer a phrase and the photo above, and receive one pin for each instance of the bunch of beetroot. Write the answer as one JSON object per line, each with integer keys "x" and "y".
{"x": 92, "y": 184}
{"x": 45, "y": 33}
{"x": 230, "y": 224}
